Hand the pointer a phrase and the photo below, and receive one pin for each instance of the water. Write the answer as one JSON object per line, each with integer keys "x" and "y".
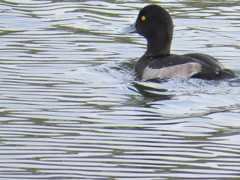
{"x": 72, "y": 109}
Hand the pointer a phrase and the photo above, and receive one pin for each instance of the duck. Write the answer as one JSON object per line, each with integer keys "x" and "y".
{"x": 155, "y": 24}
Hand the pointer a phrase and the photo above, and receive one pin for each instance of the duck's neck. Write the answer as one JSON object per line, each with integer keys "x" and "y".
{"x": 159, "y": 46}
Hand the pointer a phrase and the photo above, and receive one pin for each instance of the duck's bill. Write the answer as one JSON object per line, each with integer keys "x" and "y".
{"x": 128, "y": 29}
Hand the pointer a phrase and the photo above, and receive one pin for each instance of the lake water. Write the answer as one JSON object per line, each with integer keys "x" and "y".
{"x": 71, "y": 107}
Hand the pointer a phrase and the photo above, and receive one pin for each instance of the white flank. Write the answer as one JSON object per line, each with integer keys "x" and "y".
{"x": 183, "y": 71}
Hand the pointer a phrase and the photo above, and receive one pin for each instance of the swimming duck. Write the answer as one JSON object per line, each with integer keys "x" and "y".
{"x": 155, "y": 24}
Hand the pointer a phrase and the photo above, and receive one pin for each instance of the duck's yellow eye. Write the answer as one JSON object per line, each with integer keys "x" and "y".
{"x": 143, "y": 18}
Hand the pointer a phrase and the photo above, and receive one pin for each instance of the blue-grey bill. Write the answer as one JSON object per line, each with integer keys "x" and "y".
{"x": 128, "y": 29}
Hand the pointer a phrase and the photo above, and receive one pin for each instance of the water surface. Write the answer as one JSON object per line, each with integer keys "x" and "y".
{"x": 71, "y": 107}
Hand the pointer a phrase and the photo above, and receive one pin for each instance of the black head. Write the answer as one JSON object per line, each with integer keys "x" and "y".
{"x": 155, "y": 24}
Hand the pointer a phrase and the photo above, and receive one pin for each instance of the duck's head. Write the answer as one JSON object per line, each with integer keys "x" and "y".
{"x": 155, "y": 24}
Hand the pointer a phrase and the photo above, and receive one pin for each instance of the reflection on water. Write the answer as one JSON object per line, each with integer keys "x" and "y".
{"x": 72, "y": 109}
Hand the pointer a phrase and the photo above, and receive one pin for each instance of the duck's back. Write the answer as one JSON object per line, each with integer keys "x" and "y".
{"x": 186, "y": 66}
